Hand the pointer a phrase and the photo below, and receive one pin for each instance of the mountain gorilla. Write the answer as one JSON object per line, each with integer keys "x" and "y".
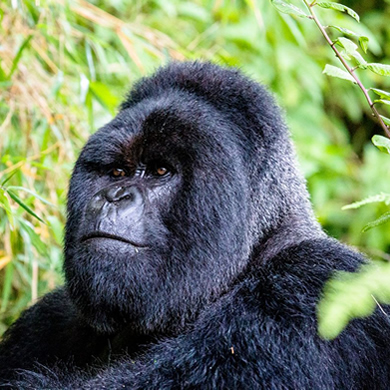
{"x": 192, "y": 256}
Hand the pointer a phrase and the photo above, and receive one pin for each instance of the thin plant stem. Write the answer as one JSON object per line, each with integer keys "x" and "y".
{"x": 350, "y": 70}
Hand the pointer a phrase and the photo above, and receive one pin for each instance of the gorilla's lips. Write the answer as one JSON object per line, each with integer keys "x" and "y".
{"x": 98, "y": 234}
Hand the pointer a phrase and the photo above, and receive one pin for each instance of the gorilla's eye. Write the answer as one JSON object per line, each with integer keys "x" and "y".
{"x": 161, "y": 171}
{"x": 156, "y": 169}
{"x": 118, "y": 172}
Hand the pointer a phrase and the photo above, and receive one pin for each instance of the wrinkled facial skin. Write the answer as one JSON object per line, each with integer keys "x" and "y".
{"x": 156, "y": 206}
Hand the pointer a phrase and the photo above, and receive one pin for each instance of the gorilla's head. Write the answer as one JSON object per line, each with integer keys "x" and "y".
{"x": 169, "y": 201}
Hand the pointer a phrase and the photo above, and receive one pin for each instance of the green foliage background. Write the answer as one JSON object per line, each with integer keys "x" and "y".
{"x": 65, "y": 65}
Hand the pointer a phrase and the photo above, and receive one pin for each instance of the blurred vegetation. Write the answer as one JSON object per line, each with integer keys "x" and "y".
{"x": 64, "y": 66}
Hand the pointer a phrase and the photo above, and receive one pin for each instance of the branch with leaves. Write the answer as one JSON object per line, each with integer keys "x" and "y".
{"x": 352, "y": 295}
{"x": 345, "y": 50}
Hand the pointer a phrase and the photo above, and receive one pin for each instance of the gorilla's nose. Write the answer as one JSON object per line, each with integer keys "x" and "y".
{"x": 120, "y": 193}
{"x": 117, "y": 210}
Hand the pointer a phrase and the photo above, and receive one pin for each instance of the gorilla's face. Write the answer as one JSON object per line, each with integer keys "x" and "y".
{"x": 157, "y": 211}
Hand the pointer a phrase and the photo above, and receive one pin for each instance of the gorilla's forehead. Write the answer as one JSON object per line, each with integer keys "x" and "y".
{"x": 172, "y": 122}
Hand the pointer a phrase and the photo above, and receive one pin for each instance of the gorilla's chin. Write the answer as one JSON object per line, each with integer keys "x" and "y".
{"x": 117, "y": 284}
{"x": 107, "y": 289}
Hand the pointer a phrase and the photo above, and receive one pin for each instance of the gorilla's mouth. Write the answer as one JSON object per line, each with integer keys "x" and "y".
{"x": 97, "y": 235}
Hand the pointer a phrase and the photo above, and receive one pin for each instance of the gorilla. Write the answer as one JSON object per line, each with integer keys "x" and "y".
{"x": 193, "y": 259}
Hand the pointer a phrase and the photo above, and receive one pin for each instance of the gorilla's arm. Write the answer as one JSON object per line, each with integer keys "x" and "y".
{"x": 48, "y": 332}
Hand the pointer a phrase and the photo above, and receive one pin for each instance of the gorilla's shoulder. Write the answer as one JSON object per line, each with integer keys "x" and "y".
{"x": 292, "y": 281}
{"x": 54, "y": 310}
{"x": 319, "y": 256}
{"x": 54, "y": 304}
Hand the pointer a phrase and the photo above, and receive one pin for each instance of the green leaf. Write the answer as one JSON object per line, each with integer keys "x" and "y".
{"x": 352, "y": 295}
{"x": 84, "y": 88}
{"x": 379, "y": 198}
{"x": 383, "y": 70}
{"x": 28, "y": 233}
{"x": 362, "y": 63}
{"x": 382, "y": 143}
{"x": 350, "y": 50}
{"x": 338, "y": 7}
{"x": 3, "y": 77}
{"x": 345, "y": 31}
{"x": 18, "y": 56}
{"x": 89, "y": 56}
{"x": 23, "y": 205}
{"x": 349, "y": 46}
{"x": 7, "y": 286}
{"x": 384, "y": 218}
{"x": 103, "y": 94}
{"x": 4, "y": 204}
{"x": 382, "y": 94}
{"x": 363, "y": 42}
{"x": 333, "y": 71}
{"x": 386, "y": 120}
{"x": 43, "y": 200}
{"x": 9, "y": 177}
{"x": 289, "y": 8}
{"x": 57, "y": 229}
{"x": 382, "y": 101}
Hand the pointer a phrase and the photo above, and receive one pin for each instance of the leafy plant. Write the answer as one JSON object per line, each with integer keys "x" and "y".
{"x": 348, "y": 295}
{"x": 352, "y": 295}
{"x": 348, "y": 52}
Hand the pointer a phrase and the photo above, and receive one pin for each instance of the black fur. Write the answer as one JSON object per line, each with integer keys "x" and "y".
{"x": 220, "y": 290}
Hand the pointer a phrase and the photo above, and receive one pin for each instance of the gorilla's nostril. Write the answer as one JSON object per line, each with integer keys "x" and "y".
{"x": 96, "y": 203}
{"x": 117, "y": 194}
